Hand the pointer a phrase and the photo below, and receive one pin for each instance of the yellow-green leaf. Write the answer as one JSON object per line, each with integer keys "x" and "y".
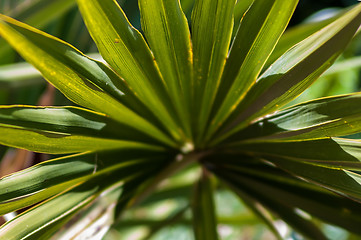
{"x": 81, "y": 79}
{"x": 126, "y": 51}
{"x": 167, "y": 33}
{"x": 258, "y": 33}
{"x": 212, "y": 24}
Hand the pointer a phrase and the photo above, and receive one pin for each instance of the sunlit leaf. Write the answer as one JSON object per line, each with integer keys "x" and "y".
{"x": 182, "y": 108}
{"x": 124, "y": 48}
{"x": 167, "y": 33}
{"x": 211, "y": 36}
{"x": 321, "y": 118}
{"x": 55, "y": 210}
{"x": 294, "y": 35}
{"x": 89, "y": 78}
{"x": 264, "y": 23}
{"x": 67, "y": 121}
{"x": 297, "y": 69}
{"x": 239, "y": 11}
{"x": 51, "y": 177}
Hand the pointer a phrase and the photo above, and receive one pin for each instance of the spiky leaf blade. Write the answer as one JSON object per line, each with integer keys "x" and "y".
{"x": 77, "y": 76}
{"x": 297, "y": 69}
{"x": 51, "y": 177}
{"x": 166, "y": 29}
{"x": 203, "y": 209}
{"x": 212, "y": 24}
{"x": 260, "y": 30}
{"x": 316, "y": 119}
{"x": 126, "y": 51}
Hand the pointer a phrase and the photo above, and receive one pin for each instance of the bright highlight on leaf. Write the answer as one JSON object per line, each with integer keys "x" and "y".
{"x": 204, "y": 95}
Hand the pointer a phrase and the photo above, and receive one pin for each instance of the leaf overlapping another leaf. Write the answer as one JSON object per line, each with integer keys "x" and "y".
{"x": 54, "y": 176}
{"x": 276, "y": 185}
{"x": 296, "y": 70}
{"x": 59, "y": 62}
{"x": 126, "y": 51}
{"x": 211, "y": 36}
{"x": 253, "y": 44}
{"x": 166, "y": 29}
{"x": 65, "y": 130}
{"x": 316, "y": 119}
{"x": 185, "y": 96}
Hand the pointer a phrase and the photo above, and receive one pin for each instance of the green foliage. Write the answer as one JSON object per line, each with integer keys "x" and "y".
{"x": 209, "y": 101}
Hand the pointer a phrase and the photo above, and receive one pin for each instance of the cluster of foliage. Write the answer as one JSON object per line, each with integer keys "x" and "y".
{"x": 213, "y": 97}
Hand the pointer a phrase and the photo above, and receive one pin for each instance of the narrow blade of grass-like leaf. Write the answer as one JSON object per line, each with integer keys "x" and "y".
{"x": 320, "y": 204}
{"x": 294, "y": 35}
{"x": 40, "y": 217}
{"x": 321, "y": 118}
{"x": 60, "y": 143}
{"x": 238, "y": 120}
{"x": 77, "y": 76}
{"x": 239, "y": 11}
{"x": 166, "y": 29}
{"x": 22, "y": 74}
{"x": 62, "y": 130}
{"x": 343, "y": 182}
{"x": 126, "y": 51}
{"x": 51, "y": 177}
{"x": 56, "y": 209}
{"x": 289, "y": 214}
{"x": 203, "y": 209}
{"x": 69, "y": 121}
{"x": 297, "y": 69}
{"x": 328, "y": 162}
{"x": 263, "y": 23}
{"x": 212, "y": 24}
{"x": 332, "y": 152}
{"x": 260, "y": 211}
{"x": 94, "y": 221}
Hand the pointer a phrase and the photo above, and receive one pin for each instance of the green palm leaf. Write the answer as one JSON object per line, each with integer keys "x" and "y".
{"x": 166, "y": 30}
{"x": 211, "y": 36}
{"x": 299, "y": 223}
{"x": 54, "y": 176}
{"x": 55, "y": 210}
{"x": 126, "y": 51}
{"x": 204, "y": 219}
{"x": 89, "y": 78}
{"x": 320, "y": 118}
{"x": 291, "y": 74}
{"x": 184, "y": 104}
{"x": 246, "y": 59}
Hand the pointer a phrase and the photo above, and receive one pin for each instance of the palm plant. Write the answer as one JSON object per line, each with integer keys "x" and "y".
{"x": 179, "y": 98}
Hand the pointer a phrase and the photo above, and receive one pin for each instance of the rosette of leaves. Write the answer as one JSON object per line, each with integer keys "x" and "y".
{"x": 207, "y": 94}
